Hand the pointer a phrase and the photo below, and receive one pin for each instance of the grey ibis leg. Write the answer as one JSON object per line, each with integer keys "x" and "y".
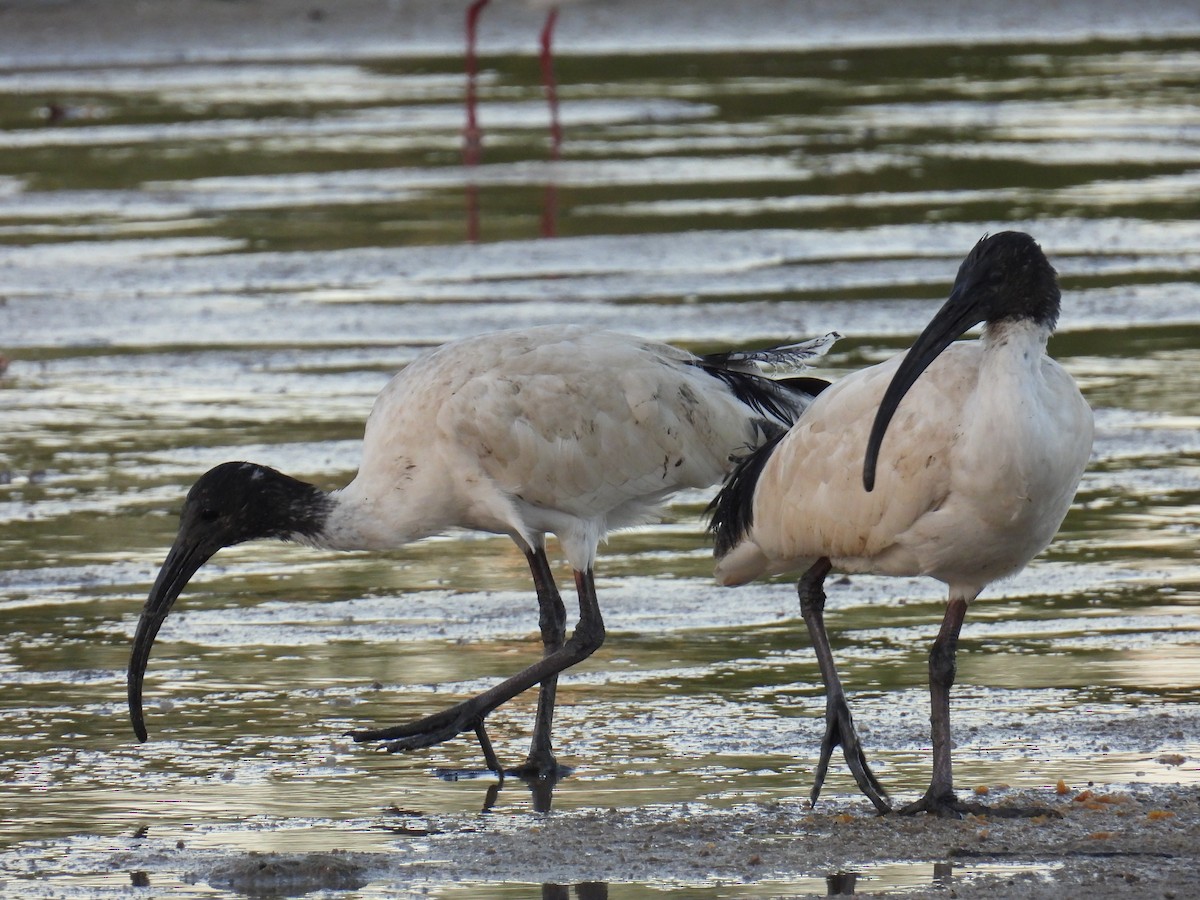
{"x": 489, "y": 754}
{"x": 466, "y": 716}
{"x": 939, "y": 798}
{"x": 839, "y": 724}
{"x": 552, "y": 620}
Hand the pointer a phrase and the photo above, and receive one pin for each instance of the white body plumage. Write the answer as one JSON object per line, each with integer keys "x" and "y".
{"x": 975, "y": 476}
{"x": 557, "y": 429}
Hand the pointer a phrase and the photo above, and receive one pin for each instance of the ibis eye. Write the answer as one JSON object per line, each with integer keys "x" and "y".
{"x": 209, "y": 514}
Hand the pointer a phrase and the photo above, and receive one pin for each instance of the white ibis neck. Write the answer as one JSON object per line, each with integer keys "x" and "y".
{"x": 1022, "y": 338}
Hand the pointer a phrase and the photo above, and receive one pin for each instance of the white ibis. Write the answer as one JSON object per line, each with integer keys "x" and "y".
{"x": 558, "y": 429}
{"x": 987, "y": 444}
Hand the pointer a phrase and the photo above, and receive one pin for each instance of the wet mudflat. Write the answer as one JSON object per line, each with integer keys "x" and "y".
{"x": 212, "y": 255}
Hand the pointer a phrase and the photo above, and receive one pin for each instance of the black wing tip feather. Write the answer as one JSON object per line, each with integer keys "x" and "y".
{"x": 808, "y": 385}
{"x": 781, "y": 399}
{"x": 731, "y": 512}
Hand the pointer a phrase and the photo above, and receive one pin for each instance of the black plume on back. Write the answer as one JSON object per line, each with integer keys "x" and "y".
{"x": 731, "y": 512}
{"x": 780, "y": 399}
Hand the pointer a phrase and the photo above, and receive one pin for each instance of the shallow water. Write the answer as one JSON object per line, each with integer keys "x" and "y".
{"x": 206, "y": 262}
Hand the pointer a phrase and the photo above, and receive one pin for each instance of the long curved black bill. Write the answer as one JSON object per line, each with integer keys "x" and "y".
{"x": 957, "y": 315}
{"x": 181, "y": 564}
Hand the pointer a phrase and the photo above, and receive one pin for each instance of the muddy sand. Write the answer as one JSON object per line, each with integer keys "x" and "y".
{"x": 1139, "y": 842}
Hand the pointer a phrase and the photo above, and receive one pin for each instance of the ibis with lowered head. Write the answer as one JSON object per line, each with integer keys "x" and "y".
{"x": 562, "y": 430}
{"x": 957, "y": 460}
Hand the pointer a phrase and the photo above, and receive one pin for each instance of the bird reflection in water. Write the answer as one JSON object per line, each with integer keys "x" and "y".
{"x": 473, "y": 133}
{"x": 585, "y": 890}
{"x": 541, "y": 790}
{"x": 842, "y": 884}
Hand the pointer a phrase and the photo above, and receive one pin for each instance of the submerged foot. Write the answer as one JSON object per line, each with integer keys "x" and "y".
{"x": 839, "y": 731}
{"x": 540, "y": 766}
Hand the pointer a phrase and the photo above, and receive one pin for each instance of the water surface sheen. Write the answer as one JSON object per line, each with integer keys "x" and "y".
{"x": 202, "y": 262}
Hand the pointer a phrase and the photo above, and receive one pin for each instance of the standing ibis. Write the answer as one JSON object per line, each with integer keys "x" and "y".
{"x": 564, "y": 430}
{"x": 972, "y": 450}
